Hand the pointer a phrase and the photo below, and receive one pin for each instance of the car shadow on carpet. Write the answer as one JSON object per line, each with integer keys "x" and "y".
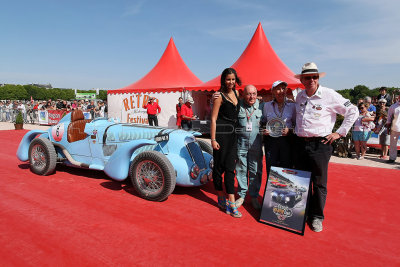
{"x": 197, "y": 193}
{"x": 24, "y": 166}
{"x": 202, "y": 193}
{"x": 109, "y": 184}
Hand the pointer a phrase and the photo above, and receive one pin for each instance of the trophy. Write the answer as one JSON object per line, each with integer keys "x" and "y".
{"x": 275, "y": 127}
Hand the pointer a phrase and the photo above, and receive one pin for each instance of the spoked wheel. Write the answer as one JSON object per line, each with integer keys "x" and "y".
{"x": 42, "y": 156}
{"x": 152, "y": 175}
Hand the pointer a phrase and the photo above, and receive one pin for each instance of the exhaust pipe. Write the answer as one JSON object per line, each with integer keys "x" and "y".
{"x": 69, "y": 157}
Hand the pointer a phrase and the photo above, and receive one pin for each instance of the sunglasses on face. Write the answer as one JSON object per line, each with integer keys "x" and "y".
{"x": 307, "y": 78}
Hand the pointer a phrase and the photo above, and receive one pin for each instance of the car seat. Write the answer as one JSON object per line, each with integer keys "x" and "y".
{"x": 76, "y": 129}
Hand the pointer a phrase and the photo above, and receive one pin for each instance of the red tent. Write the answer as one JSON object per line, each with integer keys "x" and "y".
{"x": 169, "y": 74}
{"x": 258, "y": 65}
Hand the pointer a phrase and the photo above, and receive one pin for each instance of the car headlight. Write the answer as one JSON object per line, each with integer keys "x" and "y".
{"x": 274, "y": 194}
{"x": 211, "y": 163}
{"x": 287, "y": 199}
{"x": 194, "y": 171}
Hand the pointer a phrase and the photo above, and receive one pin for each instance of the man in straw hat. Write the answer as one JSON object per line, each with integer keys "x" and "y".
{"x": 316, "y": 109}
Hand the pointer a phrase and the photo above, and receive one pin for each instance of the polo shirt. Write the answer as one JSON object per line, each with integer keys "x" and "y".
{"x": 288, "y": 115}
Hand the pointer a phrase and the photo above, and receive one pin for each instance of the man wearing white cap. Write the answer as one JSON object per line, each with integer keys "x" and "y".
{"x": 316, "y": 109}
{"x": 277, "y": 145}
{"x": 187, "y": 114}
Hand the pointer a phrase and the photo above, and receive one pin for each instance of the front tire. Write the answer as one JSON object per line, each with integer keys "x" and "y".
{"x": 42, "y": 156}
{"x": 153, "y": 176}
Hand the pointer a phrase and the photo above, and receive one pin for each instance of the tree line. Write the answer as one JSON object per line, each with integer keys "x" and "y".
{"x": 25, "y": 92}
{"x": 361, "y": 91}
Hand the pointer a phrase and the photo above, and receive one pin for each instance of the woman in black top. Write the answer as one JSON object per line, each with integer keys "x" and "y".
{"x": 223, "y": 140}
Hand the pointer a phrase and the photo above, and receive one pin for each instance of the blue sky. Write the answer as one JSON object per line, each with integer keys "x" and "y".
{"x": 111, "y": 44}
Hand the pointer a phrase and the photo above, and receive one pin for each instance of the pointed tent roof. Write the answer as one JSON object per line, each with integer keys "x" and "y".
{"x": 170, "y": 73}
{"x": 258, "y": 65}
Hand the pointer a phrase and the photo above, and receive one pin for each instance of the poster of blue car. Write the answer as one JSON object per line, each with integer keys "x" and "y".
{"x": 285, "y": 199}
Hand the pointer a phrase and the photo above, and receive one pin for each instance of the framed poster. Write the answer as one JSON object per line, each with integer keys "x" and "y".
{"x": 285, "y": 199}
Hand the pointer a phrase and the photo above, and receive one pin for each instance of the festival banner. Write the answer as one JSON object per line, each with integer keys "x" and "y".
{"x": 128, "y": 107}
{"x": 85, "y": 96}
{"x": 285, "y": 199}
{"x": 54, "y": 116}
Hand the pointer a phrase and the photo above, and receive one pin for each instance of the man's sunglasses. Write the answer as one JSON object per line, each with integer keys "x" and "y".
{"x": 307, "y": 78}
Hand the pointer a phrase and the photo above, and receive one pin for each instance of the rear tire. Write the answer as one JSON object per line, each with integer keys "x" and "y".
{"x": 153, "y": 176}
{"x": 42, "y": 156}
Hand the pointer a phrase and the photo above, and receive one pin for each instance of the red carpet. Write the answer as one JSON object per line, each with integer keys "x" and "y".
{"x": 78, "y": 217}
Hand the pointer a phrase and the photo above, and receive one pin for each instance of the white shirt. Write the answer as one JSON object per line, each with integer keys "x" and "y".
{"x": 271, "y": 111}
{"x": 316, "y": 115}
{"x": 101, "y": 111}
{"x": 21, "y": 107}
{"x": 361, "y": 126}
{"x": 394, "y": 116}
{"x": 9, "y": 107}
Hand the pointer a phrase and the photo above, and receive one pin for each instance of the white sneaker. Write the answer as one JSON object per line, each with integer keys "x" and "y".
{"x": 316, "y": 225}
{"x": 239, "y": 202}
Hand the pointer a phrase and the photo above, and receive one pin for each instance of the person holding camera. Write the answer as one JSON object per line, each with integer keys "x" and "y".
{"x": 187, "y": 114}
{"x": 153, "y": 109}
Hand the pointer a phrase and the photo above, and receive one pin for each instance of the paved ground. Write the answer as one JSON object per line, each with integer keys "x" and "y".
{"x": 10, "y": 126}
{"x": 371, "y": 160}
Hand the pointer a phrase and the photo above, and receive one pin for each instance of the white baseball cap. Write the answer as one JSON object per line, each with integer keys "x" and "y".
{"x": 275, "y": 84}
{"x": 190, "y": 100}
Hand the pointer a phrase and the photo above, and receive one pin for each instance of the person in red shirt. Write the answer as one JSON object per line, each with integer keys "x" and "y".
{"x": 153, "y": 109}
{"x": 187, "y": 114}
{"x": 178, "y": 112}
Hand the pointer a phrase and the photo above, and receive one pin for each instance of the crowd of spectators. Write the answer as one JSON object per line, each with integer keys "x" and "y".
{"x": 374, "y": 120}
{"x": 29, "y": 109}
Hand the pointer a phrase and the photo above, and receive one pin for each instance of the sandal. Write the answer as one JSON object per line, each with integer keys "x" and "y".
{"x": 232, "y": 210}
{"x": 222, "y": 202}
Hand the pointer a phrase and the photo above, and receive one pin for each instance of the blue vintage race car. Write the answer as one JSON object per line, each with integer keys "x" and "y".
{"x": 154, "y": 158}
{"x": 286, "y": 197}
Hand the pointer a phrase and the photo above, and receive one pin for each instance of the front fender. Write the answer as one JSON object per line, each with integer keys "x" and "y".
{"x": 23, "y": 148}
{"x": 117, "y": 166}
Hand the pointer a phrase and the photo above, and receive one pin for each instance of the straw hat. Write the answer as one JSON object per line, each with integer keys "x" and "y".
{"x": 310, "y": 68}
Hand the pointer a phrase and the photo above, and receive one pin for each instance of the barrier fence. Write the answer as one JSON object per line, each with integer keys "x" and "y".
{"x": 41, "y": 117}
